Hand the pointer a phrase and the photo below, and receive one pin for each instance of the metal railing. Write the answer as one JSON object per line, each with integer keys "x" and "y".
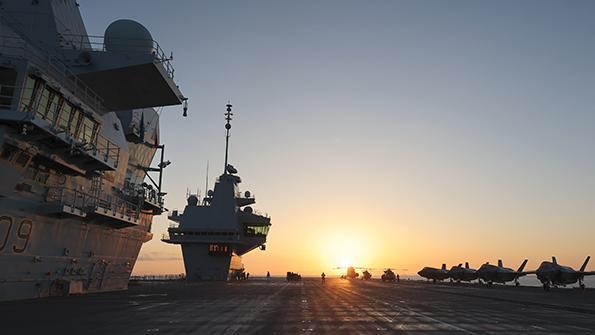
{"x": 86, "y": 134}
{"x": 158, "y": 277}
{"x": 108, "y": 150}
{"x": 260, "y": 213}
{"x": 240, "y": 195}
{"x": 130, "y": 45}
{"x": 54, "y": 67}
{"x": 88, "y": 202}
{"x": 144, "y": 192}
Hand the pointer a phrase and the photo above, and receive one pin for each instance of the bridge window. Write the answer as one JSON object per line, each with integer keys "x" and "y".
{"x": 88, "y": 129}
{"x": 43, "y": 102}
{"x": 27, "y": 97}
{"x": 64, "y": 115}
{"x": 52, "y": 109}
{"x": 75, "y": 121}
{"x": 50, "y": 105}
{"x": 256, "y": 230}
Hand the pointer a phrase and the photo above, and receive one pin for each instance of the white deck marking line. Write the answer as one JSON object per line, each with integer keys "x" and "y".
{"x": 159, "y": 304}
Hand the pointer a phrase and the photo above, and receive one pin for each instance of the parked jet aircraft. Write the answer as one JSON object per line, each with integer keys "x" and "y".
{"x": 499, "y": 274}
{"x": 460, "y": 273}
{"x": 553, "y": 274}
{"x": 433, "y": 273}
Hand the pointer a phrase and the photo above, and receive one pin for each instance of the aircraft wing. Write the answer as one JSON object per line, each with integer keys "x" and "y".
{"x": 587, "y": 273}
{"x": 527, "y": 273}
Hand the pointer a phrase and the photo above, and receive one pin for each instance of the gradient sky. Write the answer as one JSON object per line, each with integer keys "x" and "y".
{"x": 384, "y": 133}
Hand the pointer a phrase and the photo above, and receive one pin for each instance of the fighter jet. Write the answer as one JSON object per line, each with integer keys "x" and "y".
{"x": 433, "y": 273}
{"x": 460, "y": 273}
{"x": 499, "y": 274}
{"x": 553, "y": 274}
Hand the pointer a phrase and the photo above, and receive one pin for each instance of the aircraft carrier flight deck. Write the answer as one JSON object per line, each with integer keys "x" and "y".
{"x": 258, "y": 306}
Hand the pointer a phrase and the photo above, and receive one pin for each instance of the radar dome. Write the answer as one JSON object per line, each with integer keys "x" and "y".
{"x": 192, "y": 200}
{"x": 128, "y": 36}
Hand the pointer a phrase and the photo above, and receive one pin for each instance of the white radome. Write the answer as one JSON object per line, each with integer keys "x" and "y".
{"x": 128, "y": 36}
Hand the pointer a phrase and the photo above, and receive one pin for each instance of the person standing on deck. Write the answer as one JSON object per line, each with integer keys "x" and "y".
{"x": 323, "y": 276}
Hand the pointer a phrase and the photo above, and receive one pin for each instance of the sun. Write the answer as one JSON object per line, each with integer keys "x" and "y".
{"x": 345, "y": 262}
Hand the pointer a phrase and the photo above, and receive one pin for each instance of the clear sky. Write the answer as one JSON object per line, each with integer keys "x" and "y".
{"x": 384, "y": 133}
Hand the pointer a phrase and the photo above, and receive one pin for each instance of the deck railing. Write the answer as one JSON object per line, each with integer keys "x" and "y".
{"x": 159, "y": 277}
{"x": 86, "y": 135}
{"x": 108, "y": 150}
{"x": 97, "y": 43}
{"x": 89, "y": 202}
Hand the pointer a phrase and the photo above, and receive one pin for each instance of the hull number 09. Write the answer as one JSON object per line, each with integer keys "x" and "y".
{"x": 21, "y": 232}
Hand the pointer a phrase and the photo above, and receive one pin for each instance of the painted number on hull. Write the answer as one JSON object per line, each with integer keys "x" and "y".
{"x": 5, "y": 226}
{"x": 22, "y": 233}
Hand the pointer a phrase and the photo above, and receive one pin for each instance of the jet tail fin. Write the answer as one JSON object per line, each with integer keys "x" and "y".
{"x": 585, "y": 264}
{"x": 554, "y": 260}
{"x": 466, "y": 265}
{"x": 500, "y": 263}
{"x": 522, "y": 267}
{"x": 443, "y": 266}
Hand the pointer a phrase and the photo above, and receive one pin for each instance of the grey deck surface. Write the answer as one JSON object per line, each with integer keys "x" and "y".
{"x": 278, "y": 307}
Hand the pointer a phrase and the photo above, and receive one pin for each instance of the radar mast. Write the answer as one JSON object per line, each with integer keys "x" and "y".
{"x": 228, "y": 116}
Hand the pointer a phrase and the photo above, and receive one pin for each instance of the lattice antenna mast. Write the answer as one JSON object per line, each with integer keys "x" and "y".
{"x": 228, "y": 116}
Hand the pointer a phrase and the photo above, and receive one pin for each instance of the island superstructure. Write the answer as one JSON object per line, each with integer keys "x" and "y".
{"x": 215, "y": 234}
{"x": 78, "y": 134}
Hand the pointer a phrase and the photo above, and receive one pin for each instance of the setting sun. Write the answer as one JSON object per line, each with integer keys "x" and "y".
{"x": 345, "y": 262}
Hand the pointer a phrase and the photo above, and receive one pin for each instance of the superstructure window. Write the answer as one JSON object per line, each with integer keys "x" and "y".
{"x": 50, "y": 104}
{"x": 87, "y": 131}
{"x": 218, "y": 249}
{"x": 52, "y": 109}
{"x": 256, "y": 230}
{"x": 43, "y": 102}
{"x": 8, "y": 78}
{"x": 28, "y": 95}
{"x": 75, "y": 121}
{"x": 64, "y": 115}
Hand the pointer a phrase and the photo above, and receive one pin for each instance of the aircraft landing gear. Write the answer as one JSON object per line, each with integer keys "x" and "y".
{"x": 546, "y": 286}
{"x": 581, "y": 284}
{"x": 516, "y": 283}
